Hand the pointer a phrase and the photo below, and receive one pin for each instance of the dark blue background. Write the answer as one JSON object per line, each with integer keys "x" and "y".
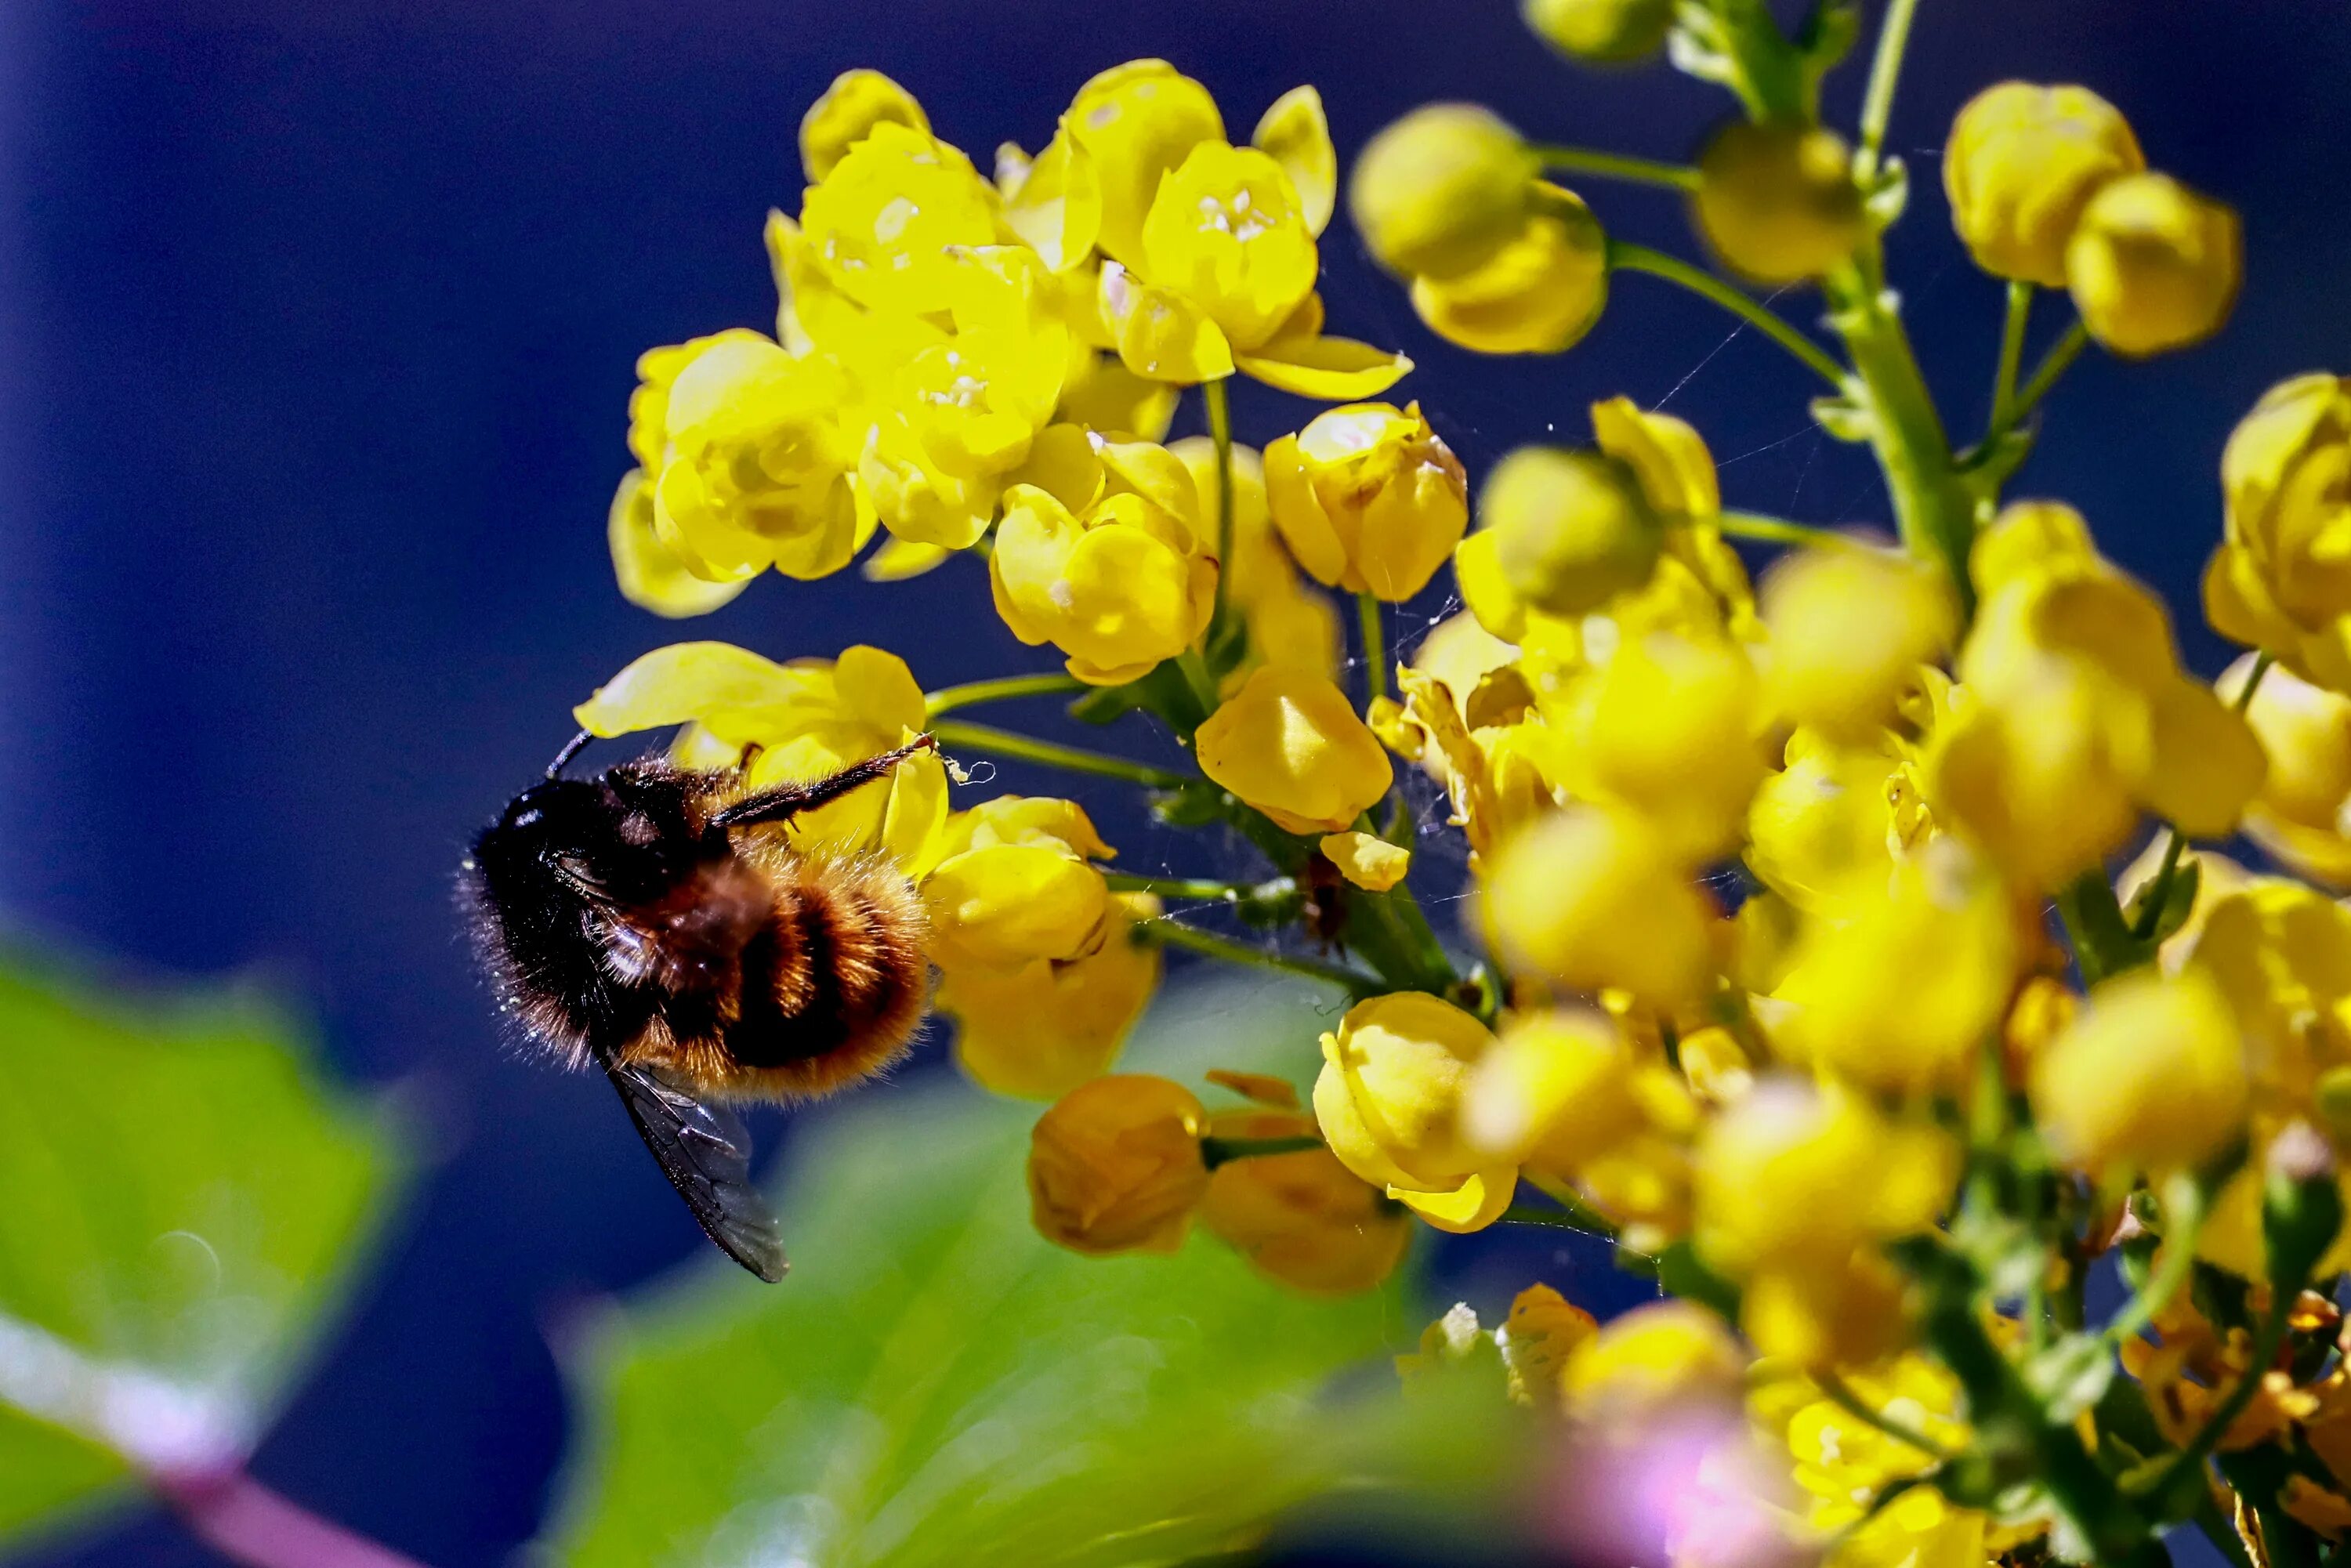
{"x": 317, "y": 320}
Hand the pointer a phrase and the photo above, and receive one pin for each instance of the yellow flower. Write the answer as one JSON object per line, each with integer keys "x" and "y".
{"x": 2022, "y": 163}
{"x": 1848, "y": 632}
{"x": 753, "y": 469}
{"x": 1368, "y": 499}
{"x": 2281, "y": 578}
{"x": 1537, "y": 293}
{"x": 1571, "y": 529}
{"x": 1606, "y": 32}
{"x": 846, "y": 114}
{"x": 1841, "y": 1464}
{"x": 1289, "y": 624}
{"x": 1501, "y": 775}
{"x": 1041, "y": 1029}
{"x": 2150, "y": 1077}
{"x": 649, "y": 575}
{"x": 1302, "y": 1219}
{"x": 2153, "y": 266}
{"x": 1389, "y": 1100}
{"x": 1371, "y": 864}
{"x": 1593, "y": 898}
{"x": 1895, "y": 989}
{"x": 1559, "y": 1090}
{"x": 1544, "y": 1329}
{"x": 887, "y": 222}
{"x": 1440, "y": 191}
{"x": 1777, "y": 203}
{"x": 1666, "y": 729}
{"x": 1666, "y": 455}
{"x": 1651, "y": 1360}
{"x": 1010, "y": 882}
{"x": 1115, "y": 1166}
{"x": 2281, "y": 953}
{"x": 803, "y": 720}
{"x": 1822, "y": 828}
{"x": 2303, "y": 815}
{"x": 1289, "y": 744}
{"x": 1135, "y": 124}
{"x": 1117, "y": 586}
{"x": 1227, "y": 231}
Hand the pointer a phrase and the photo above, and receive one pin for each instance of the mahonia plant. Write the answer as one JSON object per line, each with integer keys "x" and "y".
{"x": 1874, "y": 1115}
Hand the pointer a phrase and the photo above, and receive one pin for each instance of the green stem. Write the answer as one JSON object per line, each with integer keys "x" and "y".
{"x": 994, "y": 742}
{"x": 946, "y": 699}
{"x": 1376, "y": 646}
{"x": 1706, "y": 286}
{"x": 1174, "y": 934}
{"x": 1220, "y": 433}
{"x": 1842, "y": 1395}
{"x": 2011, "y": 352}
{"x": 1615, "y": 165}
{"x": 1780, "y": 531}
{"x": 1178, "y": 886}
{"x": 1215, "y": 1152}
{"x": 2067, "y": 349}
{"x": 2183, "y": 1217}
{"x": 1884, "y": 70}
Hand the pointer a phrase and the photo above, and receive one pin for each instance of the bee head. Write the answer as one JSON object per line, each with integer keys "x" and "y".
{"x": 591, "y": 838}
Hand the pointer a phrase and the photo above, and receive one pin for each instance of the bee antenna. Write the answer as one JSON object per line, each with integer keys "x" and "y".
{"x": 571, "y": 748}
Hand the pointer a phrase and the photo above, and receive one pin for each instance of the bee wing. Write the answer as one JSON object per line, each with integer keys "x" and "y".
{"x": 706, "y": 1152}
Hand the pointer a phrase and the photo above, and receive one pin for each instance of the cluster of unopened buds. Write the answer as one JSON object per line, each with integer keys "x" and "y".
{"x": 1808, "y": 976}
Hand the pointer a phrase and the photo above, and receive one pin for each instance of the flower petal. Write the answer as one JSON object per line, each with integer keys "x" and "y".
{"x": 1296, "y": 133}
{"x": 1330, "y": 369}
{"x": 899, "y": 559}
{"x": 1475, "y": 1203}
{"x": 687, "y": 681}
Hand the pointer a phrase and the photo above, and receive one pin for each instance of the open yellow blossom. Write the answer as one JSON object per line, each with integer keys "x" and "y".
{"x": 2282, "y": 578}
{"x": 1604, "y": 32}
{"x": 1501, "y": 775}
{"x": 1228, "y": 232}
{"x": 649, "y": 575}
{"x": 803, "y": 720}
{"x": 1040, "y": 1030}
{"x": 2281, "y": 954}
{"x": 1895, "y": 987}
{"x": 1571, "y": 529}
{"x": 1303, "y": 1219}
{"x": 2150, "y": 1077}
{"x": 2020, "y": 164}
{"x": 1440, "y": 191}
{"x": 887, "y": 221}
{"x": 1289, "y": 744}
{"x": 1117, "y": 587}
{"x": 1011, "y": 882}
{"x": 1368, "y": 499}
{"x": 1135, "y": 124}
{"x": 1848, "y": 632}
{"x": 1649, "y": 1361}
{"x": 2303, "y": 815}
{"x": 1595, "y": 898}
{"x": 1776, "y": 201}
{"x": 1370, "y": 863}
{"x": 1537, "y": 293}
{"x": 1389, "y": 1102}
{"x": 2153, "y": 266}
{"x": 846, "y": 113}
{"x": 1115, "y": 1166}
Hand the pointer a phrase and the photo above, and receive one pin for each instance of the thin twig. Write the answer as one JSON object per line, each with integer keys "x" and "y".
{"x": 1706, "y": 286}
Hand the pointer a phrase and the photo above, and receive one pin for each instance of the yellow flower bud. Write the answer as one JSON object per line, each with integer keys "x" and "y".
{"x": 1777, "y": 203}
{"x": 2279, "y": 580}
{"x": 1556, "y": 1089}
{"x": 2150, "y": 1077}
{"x": 888, "y": 222}
{"x": 1538, "y": 293}
{"x": 1896, "y": 990}
{"x": 1594, "y": 899}
{"x": 1818, "y": 829}
{"x": 2153, "y": 266}
{"x": 1848, "y": 632}
{"x": 846, "y": 114}
{"x": 1796, "y": 1175}
{"x": 1041, "y": 1029}
{"x": 1136, "y": 123}
{"x": 1606, "y": 32}
{"x": 1389, "y": 1098}
{"x": 1440, "y": 191}
{"x": 1572, "y": 529}
{"x": 650, "y": 575}
{"x": 2024, "y": 537}
{"x": 1302, "y": 1219}
{"x": 1666, "y": 728}
{"x": 1651, "y": 1360}
{"x": 1543, "y": 1330}
{"x": 1117, "y": 588}
{"x": 1371, "y": 864}
{"x": 1226, "y": 232}
{"x": 1288, "y": 743}
{"x": 1012, "y": 884}
{"x": 1368, "y": 499}
{"x": 1115, "y": 1166}
{"x": 2022, "y": 163}
{"x": 2303, "y": 815}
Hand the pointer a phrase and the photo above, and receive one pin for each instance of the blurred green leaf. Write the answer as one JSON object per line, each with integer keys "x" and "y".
{"x": 180, "y": 1200}
{"x": 934, "y": 1384}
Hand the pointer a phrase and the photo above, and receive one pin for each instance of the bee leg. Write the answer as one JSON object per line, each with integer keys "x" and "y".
{"x": 790, "y": 800}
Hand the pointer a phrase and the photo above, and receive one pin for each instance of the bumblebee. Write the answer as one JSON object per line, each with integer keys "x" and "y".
{"x": 652, "y": 922}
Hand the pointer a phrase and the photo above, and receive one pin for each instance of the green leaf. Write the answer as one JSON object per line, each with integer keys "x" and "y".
{"x": 183, "y": 1201}
{"x": 2070, "y": 1374}
{"x": 934, "y": 1384}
